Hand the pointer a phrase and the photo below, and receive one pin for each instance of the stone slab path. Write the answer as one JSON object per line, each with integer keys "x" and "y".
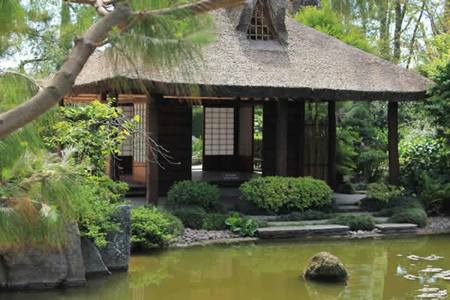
{"x": 296, "y": 231}
{"x": 397, "y": 228}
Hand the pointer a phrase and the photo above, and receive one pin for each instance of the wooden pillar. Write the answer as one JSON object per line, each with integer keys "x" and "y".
{"x": 332, "y": 144}
{"x": 152, "y": 157}
{"x": 301, "y": 139}
{"x": 114, "y": 170}
{"x": 394, "y": 164}
{"x": 281, "y": 137}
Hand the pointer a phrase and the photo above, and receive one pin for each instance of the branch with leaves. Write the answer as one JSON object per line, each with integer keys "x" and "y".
{"x": 115, "y": 14}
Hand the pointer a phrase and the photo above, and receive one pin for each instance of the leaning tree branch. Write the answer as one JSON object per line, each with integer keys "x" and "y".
{"x": 64, "y": 79}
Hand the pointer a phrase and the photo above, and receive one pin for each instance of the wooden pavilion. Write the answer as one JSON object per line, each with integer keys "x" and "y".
{"x": 260, "y": 57}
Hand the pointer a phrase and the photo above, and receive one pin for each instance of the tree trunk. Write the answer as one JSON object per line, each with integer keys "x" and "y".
{"x": 64, "y": 79}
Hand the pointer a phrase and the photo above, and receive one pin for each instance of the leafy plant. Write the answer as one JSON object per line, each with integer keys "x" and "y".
{"x": 382, "y": 191}
{"x": 413, "y": 215}
{"x": 286, "y": 193}
{"x": 435, "y": 194}
{"x": 94, "y": 130}
{"x": 243, "y": 226}
{"x": 193, "y": 193}
{"x": 355, "y": 222}
{"x": 153, "y": 228}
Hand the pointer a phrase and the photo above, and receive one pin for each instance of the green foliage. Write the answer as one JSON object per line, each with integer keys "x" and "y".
{"x": 413, "y": 215}
{"x": 94, "y": 130}
{"x": 197, "y": 193}
{"x": 94, "y": 207}
{"x": 193, "y": 217}
{"x": 286, "y": 193}
{"x": 305, "y": 215}
{"x": 355, "y": 222}
{"x": 436, "y": 56}
{"x": 382, "y": 191}
{"x": 197, "y": 151}
{"x": 243, "y": 226}
{"x": 369, "y": 163}
{"x": 438, "y": 104}
{"x": 331, "y": 22}
{"x": 153, "y": 228}
{"x": 393, "y": 204}
{"x": 197, "y": 122}
{"x": 258, "y": 123}
{"x": 215, "y": 222}
{"x": 423, "y": 157}
{"x": 258, "y": 148}
{"x": 435, "y": 194}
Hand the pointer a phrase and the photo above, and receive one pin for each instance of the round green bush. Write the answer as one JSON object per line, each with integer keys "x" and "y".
{"x": 413, "y": 215}
{"x": 275, "y": 193}
{"x": 193, "y": 193}
{"x": 153, "y": 228}
{"x": 191, "y": 216}
{"x": 355, "y": 222}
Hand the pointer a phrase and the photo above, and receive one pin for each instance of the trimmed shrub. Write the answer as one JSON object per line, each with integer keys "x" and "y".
{"x": 215, "y": 222}
{"x": 193, "y": 193}
{"x": 191, "y": 216}
{"x": 355, "y": 222}
{"x": 261, "y": 223}
{"x": 275, "y": 193}
{"x": 306, "y": 215}
{"x": 153, "y": 228}
{"x": 413, "y": 215}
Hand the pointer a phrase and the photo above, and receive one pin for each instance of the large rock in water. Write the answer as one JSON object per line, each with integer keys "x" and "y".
{"x": 34, "y": 269}
{"x": 93, "y": 262}
{"x": 116, "y": 255}
{"x": 325, "y": 267}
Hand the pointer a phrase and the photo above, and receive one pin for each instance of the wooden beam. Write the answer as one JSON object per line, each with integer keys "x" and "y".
{"x": 301, "y": 139}
{"x": 332, "y": 144}
{"x": 152, "y": 167}
{"x": 394, "y": 164}
{"x": 281, "y": 137}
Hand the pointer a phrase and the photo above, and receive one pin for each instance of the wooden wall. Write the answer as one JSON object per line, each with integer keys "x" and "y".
{"x": 175, "y": 135}
{"x": 315, "y": 152}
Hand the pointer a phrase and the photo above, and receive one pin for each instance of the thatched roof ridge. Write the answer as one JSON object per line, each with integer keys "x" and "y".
{"x": 311, "y": 64}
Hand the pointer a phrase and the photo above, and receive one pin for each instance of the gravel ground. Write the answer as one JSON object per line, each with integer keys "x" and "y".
{"x": 195, "y": 237}
{"x": 436, "y": 225}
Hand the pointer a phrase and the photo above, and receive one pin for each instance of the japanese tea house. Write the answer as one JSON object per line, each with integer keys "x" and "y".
{"x": 260, "y": 57}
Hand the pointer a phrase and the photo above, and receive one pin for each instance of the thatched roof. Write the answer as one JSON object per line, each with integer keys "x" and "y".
{"x": 306, "y": 64}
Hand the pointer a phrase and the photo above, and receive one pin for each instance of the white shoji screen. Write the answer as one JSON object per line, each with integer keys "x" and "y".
{"x": 219, "y": 131}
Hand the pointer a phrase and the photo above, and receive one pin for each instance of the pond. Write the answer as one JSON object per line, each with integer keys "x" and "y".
{"x": 271, "y": 270}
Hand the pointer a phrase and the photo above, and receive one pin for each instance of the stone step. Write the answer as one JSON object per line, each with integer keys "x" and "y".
{"x": 348, "y": 208}
{"x": 397, "y": 228}
{"x": 301, "y": 231}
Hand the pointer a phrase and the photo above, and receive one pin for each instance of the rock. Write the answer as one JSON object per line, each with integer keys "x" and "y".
{"x": 32, "y": 268}
{"x": 116, "y": 255}
{"x": 325, "y": 267}
{"x": 93, "y": 262}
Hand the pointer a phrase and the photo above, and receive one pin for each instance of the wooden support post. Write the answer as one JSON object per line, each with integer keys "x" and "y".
{"x": 281, "y": 137}
{"x": 301, "y": 139}
{"x": 394, "y": 164}
{"x": 152, "y": 132}
{"x": 332, "y": 144}
{"x": 114, "y": 170}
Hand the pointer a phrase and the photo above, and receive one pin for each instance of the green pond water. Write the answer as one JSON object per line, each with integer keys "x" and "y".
{"x": 270, "y": 270}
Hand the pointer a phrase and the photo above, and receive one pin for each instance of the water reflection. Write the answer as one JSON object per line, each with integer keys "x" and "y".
{"x": 270, "y": 271}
